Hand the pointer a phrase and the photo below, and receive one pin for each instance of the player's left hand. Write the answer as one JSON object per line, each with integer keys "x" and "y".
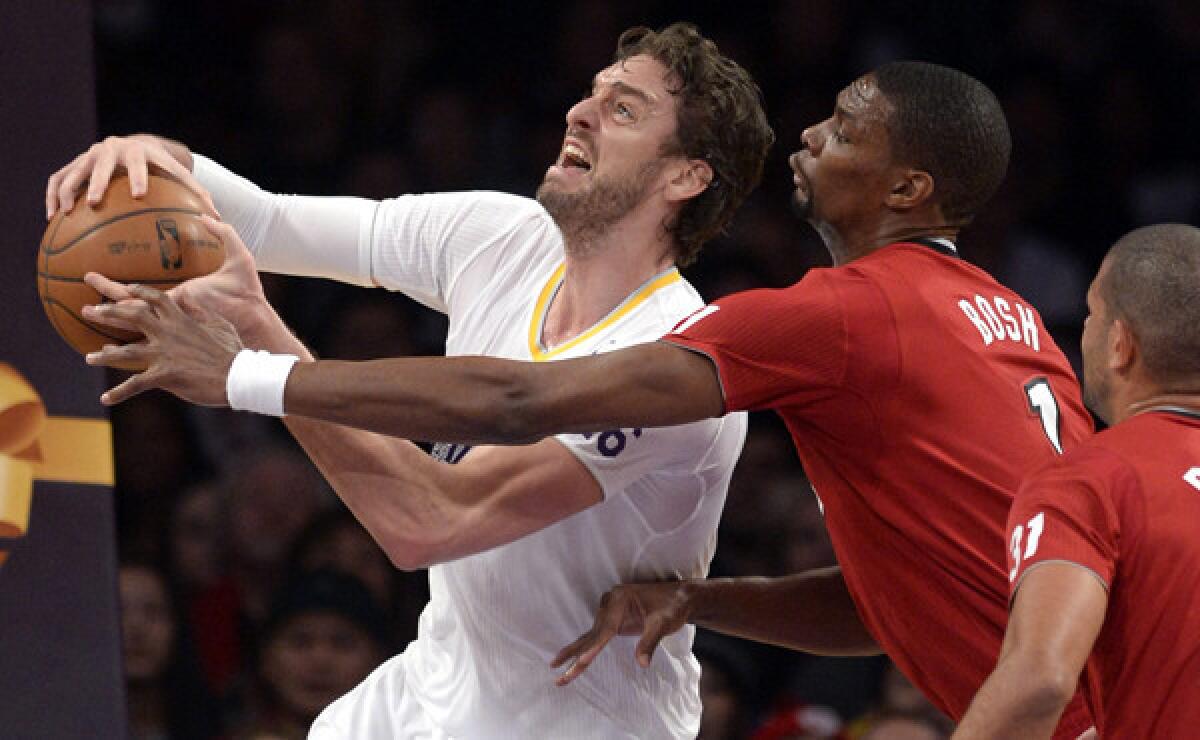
{"x": 187, "y": 353}
{"x": 651, "y": 610}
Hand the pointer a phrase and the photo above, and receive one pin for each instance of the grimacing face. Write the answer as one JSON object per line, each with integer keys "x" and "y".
{"x": 612, "y": 151}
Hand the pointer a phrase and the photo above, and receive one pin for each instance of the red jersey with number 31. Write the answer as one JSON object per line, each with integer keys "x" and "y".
{"x": 1126, "y": 506}
{"x": 918, "y": 392}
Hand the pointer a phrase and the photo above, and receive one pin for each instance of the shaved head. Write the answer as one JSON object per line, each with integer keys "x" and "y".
{"x": 1152, "y": 283}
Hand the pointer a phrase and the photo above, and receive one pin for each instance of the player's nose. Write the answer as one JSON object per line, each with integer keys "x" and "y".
{"x": 583, "y": 113}
{"x": 810, "y": 139}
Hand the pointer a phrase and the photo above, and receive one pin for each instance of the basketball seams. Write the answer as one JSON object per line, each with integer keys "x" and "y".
{"x": 48, "y": 251}
{"x": 45, "y": 253}
{"x": 90, "y": 237}
{"x": 170, "y": 282}
{"x": 62, "y": 308}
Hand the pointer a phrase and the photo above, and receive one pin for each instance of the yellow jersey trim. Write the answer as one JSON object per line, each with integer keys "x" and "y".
{"x": 538, "y": 320}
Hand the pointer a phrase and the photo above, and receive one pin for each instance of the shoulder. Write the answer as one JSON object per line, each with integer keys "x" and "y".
{"x": 1097, "y": 465}
{"x": 675, "y": 296}
{"x": 819, "y": 286}
{"x": 516, "y": 207}
{"x": 652, "y": 311}
{"x": 500, "y": 210}
{"x": 774, "y": 321}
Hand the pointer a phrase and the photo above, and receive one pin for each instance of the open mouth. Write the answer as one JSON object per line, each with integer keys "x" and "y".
{"x": 573, "y": 157}
{"x": 801, "y": 183}
{"x": 799, "y": 177}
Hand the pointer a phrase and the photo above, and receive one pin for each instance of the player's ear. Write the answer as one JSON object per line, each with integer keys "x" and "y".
{"x": 910, "y": 189}
{"x": 1123, "y": 350}
{"x": 689, "y": 178}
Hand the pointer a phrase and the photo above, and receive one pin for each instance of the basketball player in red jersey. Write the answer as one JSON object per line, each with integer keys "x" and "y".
{"x": 918, "y": 391}
{"x": 1104, "y": 552}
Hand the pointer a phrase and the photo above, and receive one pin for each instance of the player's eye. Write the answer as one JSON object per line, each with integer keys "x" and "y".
{"x": 623, "y": 110}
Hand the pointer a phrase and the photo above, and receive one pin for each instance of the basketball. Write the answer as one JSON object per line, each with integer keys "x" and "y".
{"x": 157, "y": 240}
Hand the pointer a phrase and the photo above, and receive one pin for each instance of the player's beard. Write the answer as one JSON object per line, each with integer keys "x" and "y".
{"x": 583, "y": 217}
{"x": 1097, "y": 380}
{"x": 1096, "y": 391}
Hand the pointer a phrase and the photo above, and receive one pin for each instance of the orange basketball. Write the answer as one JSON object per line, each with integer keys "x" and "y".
{"x": 157, "y": 240}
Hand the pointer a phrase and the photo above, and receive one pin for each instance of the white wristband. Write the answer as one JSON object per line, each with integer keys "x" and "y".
{"x": 256, "y": 381}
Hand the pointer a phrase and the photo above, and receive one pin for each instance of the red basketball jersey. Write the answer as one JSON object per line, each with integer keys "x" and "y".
{"x": 918, "y": 392}
{"x": 1126, "y": 505}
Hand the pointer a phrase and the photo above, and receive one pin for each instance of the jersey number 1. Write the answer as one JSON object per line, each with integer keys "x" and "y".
{"x": 1043, "y": 403}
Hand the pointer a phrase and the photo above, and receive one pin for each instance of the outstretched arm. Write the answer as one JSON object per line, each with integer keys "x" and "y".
{"x": 474, "y": 400}
{"x": 810, "y": 611}
{"x": 480, "y": 399}
{"x": 461, "y": 399}
{"x": 1057, "y": 614}
{"x": 419, "y": 510}
{"x": 422, "y": 511}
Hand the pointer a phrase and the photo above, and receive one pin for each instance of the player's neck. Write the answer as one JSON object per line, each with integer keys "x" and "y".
{"x": 1161, "y": 401}
{"x": 597, "y": 281}
{"x": 849, "y": 243}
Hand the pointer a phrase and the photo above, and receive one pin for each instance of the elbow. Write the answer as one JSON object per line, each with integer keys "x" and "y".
{"x": 425, "y": 544}
{"x": 1048, "y": 691}
{"x": 409, "y": 559}
{"x": 409, "y": 551}
{"x": 414, "y": 553}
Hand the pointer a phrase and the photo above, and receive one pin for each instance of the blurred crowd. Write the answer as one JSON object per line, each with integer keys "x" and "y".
{"x": 251, "y": 598}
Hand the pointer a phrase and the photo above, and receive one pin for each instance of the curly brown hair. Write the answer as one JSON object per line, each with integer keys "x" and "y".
{"x": 720, "y": 119}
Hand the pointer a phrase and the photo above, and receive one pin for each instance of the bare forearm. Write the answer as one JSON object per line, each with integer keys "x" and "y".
{"x": 1017, "y": 700}
{"x": 466, "y": 400}
{"x": 378, "y": 478}
{"x": 488, "y": 400}
{"x": 809, "y": 611}
{"x": 262, "y": 328}
{"x": 384, "y": 482}
{"x": 1057, "y": 614}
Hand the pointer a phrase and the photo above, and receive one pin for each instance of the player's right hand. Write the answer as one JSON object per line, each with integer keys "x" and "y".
{"x": 652, "y": 610}
{"x": 185, "y": 352}
{"x": 95, "y": 167}
{"x": 233, "y": 291}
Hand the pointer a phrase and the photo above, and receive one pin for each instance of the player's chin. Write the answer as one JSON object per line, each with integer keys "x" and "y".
{"x": 802, "y": 204}
{"x": 555, "y": 196}
{"x": 568, "y": 179}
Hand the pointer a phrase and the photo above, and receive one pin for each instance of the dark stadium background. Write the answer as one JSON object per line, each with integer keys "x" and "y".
{"x": 378, "y": 98}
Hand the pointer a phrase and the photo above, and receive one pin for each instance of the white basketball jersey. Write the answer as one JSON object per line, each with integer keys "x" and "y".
{"x": 480, "y": 664}
{"x": 479, "y": 667}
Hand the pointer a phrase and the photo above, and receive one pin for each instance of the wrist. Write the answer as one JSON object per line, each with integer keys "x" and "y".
{"x": 261, "y": 327}
{"x": 256, "y": 381}
{"x": 691, "y": 596}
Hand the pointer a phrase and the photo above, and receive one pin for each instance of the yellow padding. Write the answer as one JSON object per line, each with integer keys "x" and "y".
{"x": 34, "y": 446}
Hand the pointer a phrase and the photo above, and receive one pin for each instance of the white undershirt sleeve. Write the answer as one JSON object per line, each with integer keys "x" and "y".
{"x": 327, "y": 237}
{"x": 416, "y": 244}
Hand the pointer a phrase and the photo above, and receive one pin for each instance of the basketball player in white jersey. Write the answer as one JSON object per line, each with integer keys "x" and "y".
{"x": 522, "y": 541}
